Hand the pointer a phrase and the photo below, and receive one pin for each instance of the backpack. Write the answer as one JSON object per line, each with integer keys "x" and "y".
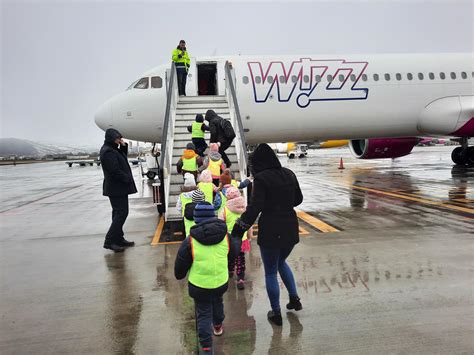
{"x": 228, "y": 130}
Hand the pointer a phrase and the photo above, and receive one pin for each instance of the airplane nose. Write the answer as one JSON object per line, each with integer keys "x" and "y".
{"x": 103, "y": 117}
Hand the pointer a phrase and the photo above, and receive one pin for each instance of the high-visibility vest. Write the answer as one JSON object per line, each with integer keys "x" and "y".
{"x": 184, "y": 61}
{"x": 230, "y": 218}
{"x": 235, "y": 183}
{"x": 197, "y": 131}
{"x": 210, "y": 264}
{"x": 215, "y": 168}
{"x": 187, "y": 222}
{"x": 208, "y": 189}
{"x": 190, "y": 164}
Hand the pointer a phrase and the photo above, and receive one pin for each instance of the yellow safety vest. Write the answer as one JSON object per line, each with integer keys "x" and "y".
{"x": 208, "y": 189}
{"x": 190, "y": 164}
{"x": 230, "y": 218}
{"x": 187, "y": 222}
{"x": 215, "y": 167}
{"x": 210, "y": 264}
{"x": 183, "y": 61}
{"x": 235, "y": 183}
{"x": 197, "y": 131}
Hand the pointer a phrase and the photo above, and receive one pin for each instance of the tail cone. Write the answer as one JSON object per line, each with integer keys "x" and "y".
{"x": 341, "y": 165}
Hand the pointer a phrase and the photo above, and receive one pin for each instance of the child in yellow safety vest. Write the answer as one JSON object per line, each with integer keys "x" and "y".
{"x": 205, "y": 255}
{"x": 214, "y": 163}
{"x": 232, "y": 211}
{"x": 189, "y": 162}
{"x": 185, "y": 198}
{"x": 205, "y": 185}
{"x": 197, "y": 130}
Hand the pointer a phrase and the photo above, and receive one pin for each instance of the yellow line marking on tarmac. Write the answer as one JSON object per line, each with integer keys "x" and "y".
{"x": 416, "y": 199}
{"x": 159, "y": 229}
{"x": 316, "y": 223}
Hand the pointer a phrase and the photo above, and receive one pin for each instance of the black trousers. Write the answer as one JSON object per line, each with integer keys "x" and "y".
{"x": 119, "y": 216}
{"x": 222, "y": 149}
{"x": 182, "y": 76}
{"x": 208, "y": 313}
{"x": 200, "y": 144}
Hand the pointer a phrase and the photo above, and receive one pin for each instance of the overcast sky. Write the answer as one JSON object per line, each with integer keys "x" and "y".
{"x": 61, "y": 59}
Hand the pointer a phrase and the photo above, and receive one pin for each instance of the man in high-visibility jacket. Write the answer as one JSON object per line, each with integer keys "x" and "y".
{"x": 205, "y": 254}
{"x": 197, "y": 130}
{"x": 189, "y": 162}
{"x": 181, "y": 60}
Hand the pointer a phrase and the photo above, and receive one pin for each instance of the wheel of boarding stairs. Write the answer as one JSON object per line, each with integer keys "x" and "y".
{"x": 150, "y": 175}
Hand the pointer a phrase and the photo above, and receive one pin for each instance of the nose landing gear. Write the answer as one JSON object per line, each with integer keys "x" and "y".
{"x": 463, "y": 155}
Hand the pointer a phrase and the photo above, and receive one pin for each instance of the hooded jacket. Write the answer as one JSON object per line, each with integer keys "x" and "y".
{"x": 187, "y": 154}
{"x": 209, "y": 232}
{"x": 215, "y": 128}
{"x": 275, "y": 193}
{"x": 118, "y": 178}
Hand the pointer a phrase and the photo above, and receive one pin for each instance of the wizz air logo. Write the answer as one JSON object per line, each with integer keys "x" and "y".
{"x": 307, "y": 80}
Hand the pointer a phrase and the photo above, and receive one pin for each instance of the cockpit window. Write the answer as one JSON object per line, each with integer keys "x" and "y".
{"x": 156, "y": 82}
{"x": 132, "y": 85}
{"x": 142, "y": 84}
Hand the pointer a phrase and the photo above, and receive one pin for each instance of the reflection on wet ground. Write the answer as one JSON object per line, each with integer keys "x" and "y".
{"x": 395, "y": 278}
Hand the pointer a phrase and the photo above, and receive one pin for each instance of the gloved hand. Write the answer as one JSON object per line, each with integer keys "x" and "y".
{"x": 180, "y": 56}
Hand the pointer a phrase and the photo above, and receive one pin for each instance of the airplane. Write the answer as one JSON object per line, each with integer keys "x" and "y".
{"x": 381, "y": 103}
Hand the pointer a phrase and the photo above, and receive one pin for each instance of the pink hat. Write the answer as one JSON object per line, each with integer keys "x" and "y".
{"x": 205, "y": 176}
{"x": 214, "y": 147}
{"x": 232, "y": 192}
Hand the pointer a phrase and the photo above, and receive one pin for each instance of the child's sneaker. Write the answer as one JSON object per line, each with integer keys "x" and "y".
{"x": 275, "y": 317}
{"x": 205, "y": 351}
{"x": 294, "y": 303}
{"x": 241, "y": 284}
{"x": 218, "y": 330}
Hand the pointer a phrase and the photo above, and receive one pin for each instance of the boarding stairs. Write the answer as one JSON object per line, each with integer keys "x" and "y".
{"x": 180, "y": 113}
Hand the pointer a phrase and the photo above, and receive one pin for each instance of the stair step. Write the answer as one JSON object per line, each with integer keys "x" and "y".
{"x": 203, "y": 106}
{"x": 180, "y": 117}
{"x": 195, "y": 111}
{"x": 177, "y": 152}
{"x": 203, "y": 98}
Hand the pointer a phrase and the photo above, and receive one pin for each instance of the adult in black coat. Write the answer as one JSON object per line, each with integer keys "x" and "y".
{"x": 275, "y": 193}
{"x": 218, "y": 135}
{"x": 118, "y": 184}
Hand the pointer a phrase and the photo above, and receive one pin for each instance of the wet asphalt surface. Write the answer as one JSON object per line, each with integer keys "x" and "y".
{"x": 397, "y": 276}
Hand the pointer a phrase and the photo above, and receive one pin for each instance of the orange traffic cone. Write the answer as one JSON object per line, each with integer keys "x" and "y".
{"x": 341, "y": 165}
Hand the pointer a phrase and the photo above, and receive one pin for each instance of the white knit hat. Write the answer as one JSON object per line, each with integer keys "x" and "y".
{"x": 189, "y": 180}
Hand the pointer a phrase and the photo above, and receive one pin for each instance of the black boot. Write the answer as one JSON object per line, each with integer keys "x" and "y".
{"x": 125, "y": 243}
{"x": 275, "y": 317}
{"x": 116, "y": 248}
{"x": 294, "y": 303}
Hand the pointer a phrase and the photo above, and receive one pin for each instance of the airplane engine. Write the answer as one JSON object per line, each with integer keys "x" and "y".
{"x": 378, "y": 148}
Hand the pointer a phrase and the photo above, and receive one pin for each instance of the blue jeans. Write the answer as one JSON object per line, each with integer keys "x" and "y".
{"x": 208, "y": 313}
{"x": 273, "y": 262}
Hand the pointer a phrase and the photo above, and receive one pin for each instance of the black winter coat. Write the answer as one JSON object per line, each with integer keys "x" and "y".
{"x": 118, "y": 178}
{"x": 275, "y": 193}
{"x": 208, "y": 233}
{"x": 215, "y": 128}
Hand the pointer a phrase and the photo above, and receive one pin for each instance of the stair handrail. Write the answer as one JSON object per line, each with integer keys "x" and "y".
{"x": 167, "y": 138}
{"x": 236, "y": 120}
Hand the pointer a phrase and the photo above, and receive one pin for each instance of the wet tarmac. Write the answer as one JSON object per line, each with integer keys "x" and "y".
{"x": 385, "y": 265}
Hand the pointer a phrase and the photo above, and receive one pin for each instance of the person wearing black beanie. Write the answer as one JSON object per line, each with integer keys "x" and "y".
{"x": 197, "y": 130}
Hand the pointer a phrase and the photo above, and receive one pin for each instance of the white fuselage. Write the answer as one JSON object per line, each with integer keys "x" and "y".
{"x": 319, "y": 97}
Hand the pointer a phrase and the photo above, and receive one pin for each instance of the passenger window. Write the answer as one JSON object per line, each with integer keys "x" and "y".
{"x": 353, "y": 77}
{"x": 283, "y": 79}
{"x": 409, "y": 76}
{"x": 330, "y": 78}
{"x": 442, "y": 75}
{"x": 294, "y": 78}
{"x": 318, "y": 78}
{"x": 270, "y": 79}
{"x": 156, "y": 82}
{"x": 342, "y": 77}
{"x": 420, "y": 76}
{"x": 245, "y": 79}
{"x": 387, "y": 77}
{"x": 141, "y": 84}
{"x": 453, "y": 75}
{"x": 463, "y": 75}
{"x": 376, "y": 77}
{"x": 364, "y": 77}
{"x": 431, "y": 76}
{"x": 398, "y": 76}
{"x": 258, "y": 79}
{"x": 306, "y": 78}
